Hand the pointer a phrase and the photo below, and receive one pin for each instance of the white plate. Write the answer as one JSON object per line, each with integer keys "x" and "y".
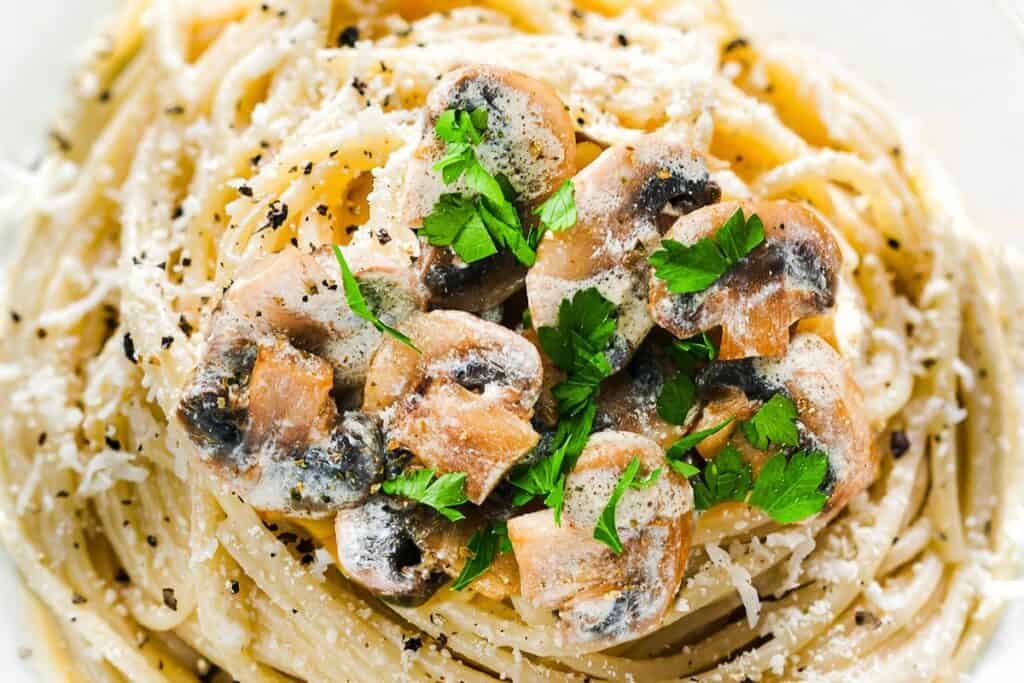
{"x": 957, "y": 66}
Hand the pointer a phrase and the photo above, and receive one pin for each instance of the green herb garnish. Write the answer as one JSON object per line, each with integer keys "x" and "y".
{"x": 474, "y": 227}
{"x": 725, "y": 478}
{"x": 442, "y": 494}
{"x": 356, "y": 301}
{"x": 676, "y": 397}
{"x": 558, "y": 212}
{"x": 576, "y": 346}
{"x": 605, "y": 531}
{"x": 695, "y": 267}
{"x": 680, "y": 448}
{"x": 789, "y": 490}
{"x": 774, "y": 422}
{"x": 484, "y": 545}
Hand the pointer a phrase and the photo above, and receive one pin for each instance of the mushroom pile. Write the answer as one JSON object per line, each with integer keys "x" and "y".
{"x": 418, "y": 443}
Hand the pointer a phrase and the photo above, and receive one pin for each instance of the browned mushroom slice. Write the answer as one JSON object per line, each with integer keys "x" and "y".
{"x": 619, "y": 198}
{"x": 448, "y": 542}
{"x": 264, "y": 420}
{"x": 830, "y": 409}
{"x": 792, "y": 275}
{"x": 283, "y": 347}
{"x": 289, "y": 396}
{"x": 530, "y": 141}
{"x": 299, "y": 295}
{"x": 602, "y": 598}
{"x": 628, "y": 402}
{"x": 462, "y": 405}
{"x": 382, "y": 547}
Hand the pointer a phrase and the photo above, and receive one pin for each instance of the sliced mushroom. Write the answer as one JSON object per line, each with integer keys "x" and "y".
{"x": 448, "y": 543}
{"x": 619, "y": 198}
{"x": 792, "y": 275}
{"x": 264, "y": 419}
{"x": 830, "y": 409}
{"x": 628, "y": 402}
{"x": 382, "y": 547}
{"x": 530, "y": 140}
{"x": 602, "y": 598}
{"x": 462, "y": 405}
{"x": 261, "y": 406}
{"x": 299, "y": 295}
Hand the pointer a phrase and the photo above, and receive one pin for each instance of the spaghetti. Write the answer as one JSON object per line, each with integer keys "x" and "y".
{"x": 195, "y": 123}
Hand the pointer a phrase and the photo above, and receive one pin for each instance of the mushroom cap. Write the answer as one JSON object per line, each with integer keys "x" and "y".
{"x": 619, "y": 198}
{"x": 830, "y": 407}
{"x": 381, "y": 546}
{"x": 299, "y": 295}
{"x": 793, "y": 274}
{"x": 464, "y": 403}
{"x": 628, "y": 401}
{"x": 284, "y": 349}
{"x": 530, "y": 140}
{"x": 603, "y": 598}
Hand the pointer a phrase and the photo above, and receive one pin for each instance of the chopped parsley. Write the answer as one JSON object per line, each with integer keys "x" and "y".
{"x": 725, "y": 478}
{"x": 680, "y": 448}
{"x": 774, "y": 422}
{"x": 688, "y": 353}
{"x": 442, "y": 494}
{"x": 357, "y": 302}
{"x": 484, "y": 545}
{"x": 789, "y": 490}
{"x": 676, "y": 397}
{"x": 695, "y": 267}
{"x": 558, "y": 212}
{"x": 479, "y": 226}
{"x": 605, "y": 531}
{"x": 576, "y": 346}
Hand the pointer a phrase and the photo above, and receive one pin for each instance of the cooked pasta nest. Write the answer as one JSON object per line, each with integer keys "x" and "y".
{"x": 205, "y": 138}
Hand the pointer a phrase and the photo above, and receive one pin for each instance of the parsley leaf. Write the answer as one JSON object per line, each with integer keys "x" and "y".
{"x": 442, "y": 494}
{"x": 695, "y": 267}
{"x": 356, "y": 301}
{"x": 648, "y": 481}
{"x": 725, "y": 478}
{"x": 462, "y": 127}
{"x": 683, "y": 468}
{"x": 605, "y": 530}
{"x": 789, "y": 491}
{"x": 680, "y": 448}
{"x": 485, "y": 545}
{"x": 585, "y": 324}
{"x": 558, "y": 212}
{"x": 476, "y": 227}
{"x": 546, "y": 477}
{"x": 774, "y": 422}
{"x": 676, "y": 397}
{"x": 688, "y": 353}
{"x": 455, "y": 222}
{"x": 576, "y": 345}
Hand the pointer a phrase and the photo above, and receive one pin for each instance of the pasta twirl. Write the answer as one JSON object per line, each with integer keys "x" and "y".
{"x": 205, "y": 136}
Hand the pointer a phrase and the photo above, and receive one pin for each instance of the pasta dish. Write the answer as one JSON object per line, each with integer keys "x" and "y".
{"x": 539, "y": 341}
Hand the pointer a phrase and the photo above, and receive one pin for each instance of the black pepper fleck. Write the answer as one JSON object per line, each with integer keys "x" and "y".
{"x": 348, "y": 36}
{"x": 735, "y": 44}
{"x": 898, "y": 443}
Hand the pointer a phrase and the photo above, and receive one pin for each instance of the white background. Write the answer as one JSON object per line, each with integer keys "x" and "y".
{"x": 956, "y": 65}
